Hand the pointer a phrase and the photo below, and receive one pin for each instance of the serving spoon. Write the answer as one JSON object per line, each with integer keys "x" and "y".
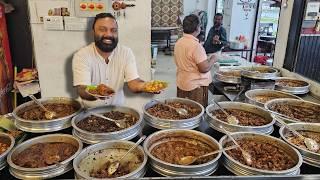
{"x": 230, "y": 118}
{"x": 113, "y": 167}
{"x": 180, "y": 111}
{"x": 187, "y": 160}
{"x": 121, "y": 123}
{"x": 311, "y": 144}
{"x": 48, "y": 114}
{"x": 247, "y": 157}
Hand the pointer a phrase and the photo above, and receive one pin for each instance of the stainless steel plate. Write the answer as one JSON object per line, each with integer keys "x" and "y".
{"x": 168, "y": 169}
{"x": 292, "y": 90}
{"x": 48, "y": 171}
{"x": 301, "y": 103}
{"x": 309, "y": 157}
{"x": 8, "y": 139}
{"x": 217, "y": 123}
{"x": 42, "y": 126}
{"x": 93, "y": 157}
{"x": 253, "y": 72}
{"x": 252, "y": 94}
{"x": 243, "y": 170}
{"x": 169, "y": 123}
{"x": 222, "y": 77}
{"x": 92, "y": 137}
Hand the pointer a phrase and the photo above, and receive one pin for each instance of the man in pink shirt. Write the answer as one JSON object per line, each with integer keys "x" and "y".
{"x": 193, "y": 66}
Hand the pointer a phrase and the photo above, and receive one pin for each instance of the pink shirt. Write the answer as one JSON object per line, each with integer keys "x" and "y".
{"x": 188, "y": 52}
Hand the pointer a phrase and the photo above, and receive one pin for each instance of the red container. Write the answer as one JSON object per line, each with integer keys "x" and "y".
{"x": 6, "y": 70}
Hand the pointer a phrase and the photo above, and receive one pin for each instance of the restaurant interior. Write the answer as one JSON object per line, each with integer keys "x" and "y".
{"x": 261, "y": 120}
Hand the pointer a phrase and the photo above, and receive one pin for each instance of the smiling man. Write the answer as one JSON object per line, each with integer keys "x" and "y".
{"x": 105, "y": 62}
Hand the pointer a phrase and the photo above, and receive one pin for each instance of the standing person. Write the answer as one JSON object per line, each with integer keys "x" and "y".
{"x": 217, "y": 36}
{"x": 105, "y": 62}
{"x": 193, "y": 66}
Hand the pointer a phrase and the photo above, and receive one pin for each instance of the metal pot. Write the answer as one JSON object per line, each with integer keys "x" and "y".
{"x": 296, "y": 102}
{"x": 243, "y": 170}
{"x": 228, "y": 79}
{"x": 217, "y": 123}
{"x": 92, "y": 138}
{"x": 292, "y": 90}
{"x": 48, "y": 171}
{"x": 251, "y": 94}
{"x": 168, "y": 169}
{"x": 170, "y": 123}
{"x": 309, "y": 157}
{"x": 8, "y": 139}
{"x": 253, "y": 72}
{"x": 42, "y": 126}
{"x": 93, "y": 157}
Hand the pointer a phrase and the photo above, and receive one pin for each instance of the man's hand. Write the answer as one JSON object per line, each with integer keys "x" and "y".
{"x": 216, "y": 39}
{"x": 86, "y": 96}
{"x": 138, "y": 85}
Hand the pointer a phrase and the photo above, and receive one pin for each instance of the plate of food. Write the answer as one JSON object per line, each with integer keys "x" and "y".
{"x": 100, "y": 91}
{"x": 155, "y": 86}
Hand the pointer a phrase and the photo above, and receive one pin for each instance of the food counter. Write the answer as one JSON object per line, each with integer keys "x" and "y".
{"x": 307, "y": 171}
{"x": 256, "y": 127}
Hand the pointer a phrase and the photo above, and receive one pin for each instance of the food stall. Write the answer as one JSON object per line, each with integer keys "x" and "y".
{"x": 249, "y": 136}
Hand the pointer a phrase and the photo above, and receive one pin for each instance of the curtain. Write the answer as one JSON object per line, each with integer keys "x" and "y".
{"x": 166, "y": 13}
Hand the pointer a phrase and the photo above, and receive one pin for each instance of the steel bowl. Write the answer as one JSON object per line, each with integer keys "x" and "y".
{"x": 297, "y": 102}
{"x": 217, "y": 123}
{"x": 92, "y": 157}
{"x": 293, "y": 90}
{"x": 159, "y": 123}
{"x": 309, "y": 157}
{"x": 92, "y": 137}
{"x": 253, "y": 72}
{"x": 168, "y": 169}
{"x": 42, "y": 126}
{"x": 240, "y": 169}
{"x": 48, "y": 171}
{"x": 220, "y": 76}
{"x": 251, "y": 94}
{"x": 8, "y": 139}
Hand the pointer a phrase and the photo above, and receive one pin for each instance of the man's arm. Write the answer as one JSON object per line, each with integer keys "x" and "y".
{"x": 137, "y": 85}
{"x": 223, "y": 37}
{"x": 206, "y": 65}
{"x": 81, "y": 89}
{"x": 208, "y": 44}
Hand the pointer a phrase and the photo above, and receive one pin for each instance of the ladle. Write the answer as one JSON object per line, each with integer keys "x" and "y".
{"x": 180, "y": 111}
{"x": 113, "y": 167}
{"x": 230, "y": 118}
{"x": 48, "y": 114}
{"x": 311, "y": 144}
{"x": 120, "y": 123}
{"x": 246, "y": 156}
{"x": 187, "y": 160}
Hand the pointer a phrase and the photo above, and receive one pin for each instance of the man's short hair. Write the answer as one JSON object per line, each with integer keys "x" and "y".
{"x": 218, "y": 14}
{"x": 101, "y": 16}
{"x": 190, "y": 23}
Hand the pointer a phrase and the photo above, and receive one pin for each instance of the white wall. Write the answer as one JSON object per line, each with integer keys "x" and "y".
{"x": 54, "y": 50}
{"x": 191, "y": 5}
{"x": 236, "y": 22}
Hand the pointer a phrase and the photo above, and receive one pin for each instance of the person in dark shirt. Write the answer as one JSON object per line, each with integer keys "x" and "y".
{"x": 217, "y": 36}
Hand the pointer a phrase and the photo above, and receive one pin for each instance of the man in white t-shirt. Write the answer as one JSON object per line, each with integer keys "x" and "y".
{"x": 105, "y": 62}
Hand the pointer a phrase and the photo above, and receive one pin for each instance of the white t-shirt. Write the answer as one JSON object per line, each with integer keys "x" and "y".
{"x": 90, "y": 68}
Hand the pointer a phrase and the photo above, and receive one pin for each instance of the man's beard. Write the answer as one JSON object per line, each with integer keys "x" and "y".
{"x": 103, "y": 46}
